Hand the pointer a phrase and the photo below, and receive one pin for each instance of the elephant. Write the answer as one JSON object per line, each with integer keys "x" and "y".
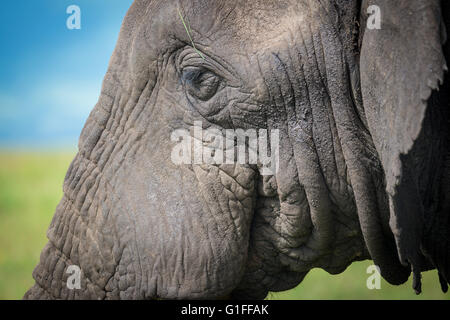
{"x": 363, "y": 168}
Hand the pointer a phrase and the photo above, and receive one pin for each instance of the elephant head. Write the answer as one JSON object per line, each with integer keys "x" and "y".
{"x": 363, "y": 165}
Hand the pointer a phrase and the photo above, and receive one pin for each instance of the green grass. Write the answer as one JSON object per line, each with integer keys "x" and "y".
{"x": 188, "y": 30}
{"x": 31, "y": 187}
{"x": 351, "y": 284}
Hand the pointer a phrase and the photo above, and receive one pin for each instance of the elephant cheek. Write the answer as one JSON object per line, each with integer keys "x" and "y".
{"x": 188, "y": 227}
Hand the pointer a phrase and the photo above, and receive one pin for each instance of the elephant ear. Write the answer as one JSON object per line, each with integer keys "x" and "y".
{"x": 401, "y": 63}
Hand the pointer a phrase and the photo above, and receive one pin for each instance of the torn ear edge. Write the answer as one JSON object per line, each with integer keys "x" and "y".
{"x": 401, "y": 68}
{"x": 436, "y": 239}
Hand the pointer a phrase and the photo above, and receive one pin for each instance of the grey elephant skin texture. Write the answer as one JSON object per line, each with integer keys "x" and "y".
{"x": 364, "y": 162}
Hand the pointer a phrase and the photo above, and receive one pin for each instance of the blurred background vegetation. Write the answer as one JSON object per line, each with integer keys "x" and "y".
{"x": 31, "y": 187}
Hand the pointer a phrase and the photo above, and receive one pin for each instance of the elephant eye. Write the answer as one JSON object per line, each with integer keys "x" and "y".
{"x": 200, "y": 83}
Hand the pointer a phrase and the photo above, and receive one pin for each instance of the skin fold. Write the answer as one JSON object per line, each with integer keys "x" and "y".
{"x": 363, "y": 152}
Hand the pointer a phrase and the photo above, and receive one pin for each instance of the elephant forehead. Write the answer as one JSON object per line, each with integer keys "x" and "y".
{"x": 247, "y": 25}
{"x": 246, "y": 33}
{"x": 255, "y": 29}
{"x": 234, "y": 31}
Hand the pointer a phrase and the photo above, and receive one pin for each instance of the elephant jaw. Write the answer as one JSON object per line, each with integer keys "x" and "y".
{"x": 188, "y": 241}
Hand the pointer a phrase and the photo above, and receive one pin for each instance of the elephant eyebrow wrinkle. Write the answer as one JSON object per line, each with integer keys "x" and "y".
{"x": 189, "y": 34}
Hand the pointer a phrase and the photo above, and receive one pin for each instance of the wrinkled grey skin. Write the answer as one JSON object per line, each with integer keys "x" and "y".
{"x": 364, "y": 162}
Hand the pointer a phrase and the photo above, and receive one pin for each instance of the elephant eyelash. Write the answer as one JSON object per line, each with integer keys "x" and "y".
{"x": 191, "y": 75}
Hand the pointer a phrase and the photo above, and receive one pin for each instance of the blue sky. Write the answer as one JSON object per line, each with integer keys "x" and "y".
{"x": 50, "y": 76}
